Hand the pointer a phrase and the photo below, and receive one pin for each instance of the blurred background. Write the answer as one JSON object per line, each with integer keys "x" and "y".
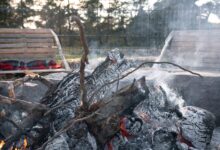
{"x": 132, "y": 25}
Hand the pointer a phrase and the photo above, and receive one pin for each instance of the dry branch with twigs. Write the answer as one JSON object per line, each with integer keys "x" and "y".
{"x": 83, "y": 62}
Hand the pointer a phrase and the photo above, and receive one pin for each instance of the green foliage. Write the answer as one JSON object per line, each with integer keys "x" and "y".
{"x": 6, "y": 15}
{"x": 15, "y": 17}
{"x": 23, "y": 11}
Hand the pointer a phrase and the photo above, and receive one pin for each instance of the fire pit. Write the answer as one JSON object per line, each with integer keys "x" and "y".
{"x": 145, "y": 114}
{"x": 98, "y": 111}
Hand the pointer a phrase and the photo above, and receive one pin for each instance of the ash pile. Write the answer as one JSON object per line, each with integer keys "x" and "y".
{"x": 145, "y": 114}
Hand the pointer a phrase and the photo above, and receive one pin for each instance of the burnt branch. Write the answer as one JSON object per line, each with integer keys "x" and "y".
{"x": 27, "y": 78}
{"x": 138, "y": 67}
{"x": 21, "y": 104}
{"x": 83, "y": 62}
{"x": 11, "y": 90}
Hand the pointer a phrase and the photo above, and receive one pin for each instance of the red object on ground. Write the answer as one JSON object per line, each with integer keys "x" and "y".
{"x": 36, "y": 64}
{"x": 11, "y": 65}
{"x": 52, "y": 64}
{"x": 5, "y": 66}
{"x": 43, "y": 64}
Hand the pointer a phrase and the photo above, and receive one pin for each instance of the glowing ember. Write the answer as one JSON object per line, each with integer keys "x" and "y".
{"x": 25, "y": 143}
{"x": 123, "y": 130}
{"x": 2, "y": 143}
{"x": 23, "y": 147}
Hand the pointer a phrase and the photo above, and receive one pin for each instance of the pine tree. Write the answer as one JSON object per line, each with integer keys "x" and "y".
{"x": 6, "y": 14}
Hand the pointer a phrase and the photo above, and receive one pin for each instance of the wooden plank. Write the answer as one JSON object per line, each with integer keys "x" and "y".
{"x": 187, "y": 56}
{"x": 39, "y": 70}
{"x": 26, "y": 45}
{"x": 195, "y": 62}
{"x": 27, "y": 56}
{"x": 26, "y": 36}
{"x": 20, "y": 40}
{"x": 196, "y": 38}
{"x": 207, "y": 48}
{"x": 195, "y": 44}
{"x": 17, "y": 45}
{"x": 204, "y": 68}
{"x": 28, "y": 50}
{"x": 197, "y": 32}
{"x": 195, "y": 50}
{"x": 22, "y": 31}
{"x": 190, "y": 64}
{"x": 37, "y": 45}
{"x": 12, "y": 40}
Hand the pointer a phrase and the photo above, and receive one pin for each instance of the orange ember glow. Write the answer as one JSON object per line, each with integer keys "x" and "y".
{"x": 23, "y": 147}
{"x": 123, "y": 130}
{"x": 25, "y": 143}
{"x": 2, "y": 143}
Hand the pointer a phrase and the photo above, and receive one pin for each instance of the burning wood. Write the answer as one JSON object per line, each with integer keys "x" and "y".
{"x": 2, "y": 143}
{"x": 85, "y": 112}
{"x": 110, "y": 120}
{"x": 16, "y": 147}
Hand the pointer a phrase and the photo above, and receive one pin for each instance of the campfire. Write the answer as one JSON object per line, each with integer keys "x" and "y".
{"x": 97, "y": 112}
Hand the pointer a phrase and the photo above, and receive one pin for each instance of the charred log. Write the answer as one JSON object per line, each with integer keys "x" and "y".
{"x": 105, "y": 124}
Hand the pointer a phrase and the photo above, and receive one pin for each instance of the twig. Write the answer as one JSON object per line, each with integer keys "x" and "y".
{"x": 83, "y": 62}
{"x": 117, "y": 84}
{"x": 55, "y": 108}
{"x": 138, "y": 67}
{"x": 11, "y": 90}
{"x": 28, "y": 78}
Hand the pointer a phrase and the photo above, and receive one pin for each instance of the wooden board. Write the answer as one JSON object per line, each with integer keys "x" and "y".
{"x": 36, "y": 70}
{"x": 26, "y": 35}
{"x": 24, "y": 31}
{"x": 25, "y": 45}
{"x": 28, "y": 50}
{"x": 196, "y": 50}
{"x": 29, "y": 45}
{"x": 201, "y": 44}
{"x": 27, "y": 56}
{"x": 195, "y": 38}
{"x": 21, "y": 40}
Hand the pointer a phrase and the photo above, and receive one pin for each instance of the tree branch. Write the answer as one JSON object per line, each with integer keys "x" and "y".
{"x": 83, "y": 62}
{"x": 28, "y": 78}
